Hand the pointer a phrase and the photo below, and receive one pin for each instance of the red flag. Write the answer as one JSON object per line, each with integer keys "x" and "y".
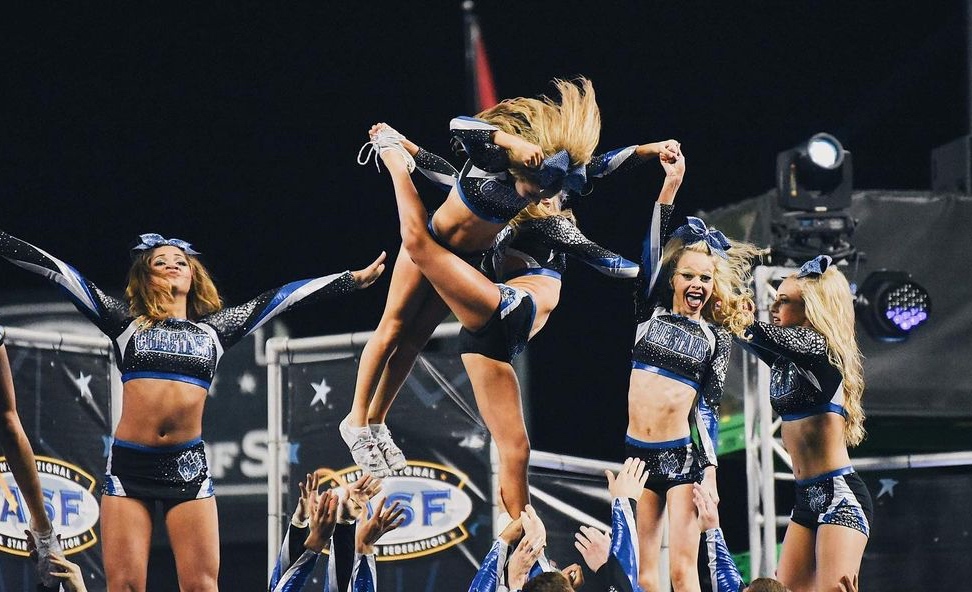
{"x": 482, "y": 91}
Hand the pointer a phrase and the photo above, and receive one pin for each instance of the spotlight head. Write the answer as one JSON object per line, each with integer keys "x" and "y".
{"x": 814, "y": 176}
{"x": 891, "y": 305}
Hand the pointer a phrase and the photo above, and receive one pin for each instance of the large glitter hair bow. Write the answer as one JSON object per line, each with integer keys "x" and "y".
{"x": 695, "y": 230}
{"x": 152, "y": 240}
{"x": 555, "y": 171}
{"x": 815, "y": 267}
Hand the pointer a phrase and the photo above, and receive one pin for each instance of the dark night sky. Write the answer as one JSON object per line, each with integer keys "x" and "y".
{"x": 237, "y": 128}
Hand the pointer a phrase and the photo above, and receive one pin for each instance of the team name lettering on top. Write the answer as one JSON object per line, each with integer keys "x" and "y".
{"x": 677, "y": 340}
{"x": 179, "y": 343}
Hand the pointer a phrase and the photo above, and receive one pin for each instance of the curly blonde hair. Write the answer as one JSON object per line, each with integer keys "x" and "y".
{"x": 829, "y": 306}
{"x": 149, "y": 299}
{"x": 573, "y": 123}
{"x": 731, "y": 304}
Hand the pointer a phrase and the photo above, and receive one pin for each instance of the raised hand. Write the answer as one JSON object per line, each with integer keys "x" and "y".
{"x": 707, "y": 507}
{"x": 367, "y": 276}
{"x": 593, "y": 545}
{"x": 574, "y": 575}
{"x": 71, "y": 576}
{"x": 526, "y": 154}
{"x": 358, "y": 494}
{"x": 383, "y": 520}
{"x": 666, "y": 150}
{"x": 306, "y": 487}
{"x": 847, "y": 583}
{"x": 523, "y": 557}
{"x": 630, "y": 481}
{"x": 532, "y": 525}
{"x": 323, "y": 519}
{"x": 674, "y": 167}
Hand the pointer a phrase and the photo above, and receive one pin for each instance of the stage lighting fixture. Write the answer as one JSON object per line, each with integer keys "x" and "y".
{"x": 814, "y": 176}
{"x": 799, "y": 236}
{"x": 891, "y": 305}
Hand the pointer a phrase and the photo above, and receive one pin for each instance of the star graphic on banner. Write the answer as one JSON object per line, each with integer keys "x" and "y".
{"x": 248, "y": 383}
{"x": 84, "y": 386}
{"x": 106, "y": 440}
{"x": 294, "y": 449}
{"x": 887, "y": 486}
{"x": 320, "y": 392}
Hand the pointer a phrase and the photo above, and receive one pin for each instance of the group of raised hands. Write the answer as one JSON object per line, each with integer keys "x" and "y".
{"x": 321, "y": 511}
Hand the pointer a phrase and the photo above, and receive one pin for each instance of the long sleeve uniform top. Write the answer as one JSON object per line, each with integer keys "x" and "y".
{"x": 175, "y": 349}
{"x": 803, "y": 382}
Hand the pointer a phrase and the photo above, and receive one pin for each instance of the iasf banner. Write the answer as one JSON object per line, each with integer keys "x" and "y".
{"x": 63, "y": 402}
{"x": 69, "y": 502}
{"x": 444, "y": 490}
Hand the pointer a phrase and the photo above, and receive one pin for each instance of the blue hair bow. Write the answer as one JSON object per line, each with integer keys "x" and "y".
{"x": 815, "y": 267}
{"x": 695, "y": 230}
{"x": 152, "y": 240}
{"x": 556, "y": 171}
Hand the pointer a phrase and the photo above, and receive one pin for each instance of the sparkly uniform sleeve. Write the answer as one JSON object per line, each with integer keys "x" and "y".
{"x": 620, "y": 159}
{"x": 651, "y": 260}
{"x": 234, "y": 323}
{"x": 801, "y": 345}
{"x": 108, "y": 314}
{"x": 476, "y": 138}
{"x": 622, "y": 565}
{"x": 710, "y": 395}
{"x": 364, "y": 577}
{"x": 292, "y": 549}
{"x": 490, "y": 574}
{"x": 3, "y": 334}
{"x": 437, "y": 169}
{"x": 723, "y": 573}
{"x": 563, "y": 236}
{"x": 293, "y": 578}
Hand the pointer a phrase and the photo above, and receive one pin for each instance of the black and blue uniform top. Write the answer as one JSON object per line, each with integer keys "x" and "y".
{"x": 695, "y": 353}
{"x": 542, "y": 244}
{"x": 173, "y": 349}
{"x": 484, "y": 183}
{"x": 803, "y": 382}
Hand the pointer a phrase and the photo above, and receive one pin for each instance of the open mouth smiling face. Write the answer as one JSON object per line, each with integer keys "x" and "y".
{"x": 692, "y": 282}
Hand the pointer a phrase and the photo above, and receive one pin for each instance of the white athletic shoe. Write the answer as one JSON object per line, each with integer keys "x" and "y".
{"x": 364, "y": 449}
{"x": 394, "y": 456}
{"x": 47, "y": 546}
{"x": 386, "y": 139}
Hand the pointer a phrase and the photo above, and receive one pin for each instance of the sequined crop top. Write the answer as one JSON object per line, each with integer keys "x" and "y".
{"x": 695, "y": 353}
{"x": 3, "y": 334}
{"x": 803, "y": 382}
{"x": 173, "y": 349}
{"x": 541, "y": 245}
{"x": 485, "y": 185}
{"x": 683, "y": 349}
